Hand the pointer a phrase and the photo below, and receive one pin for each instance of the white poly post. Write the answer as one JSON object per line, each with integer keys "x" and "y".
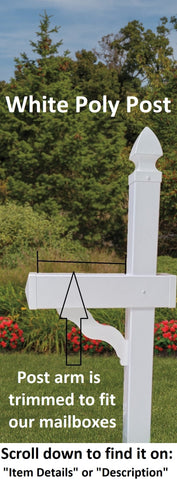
{"x": 143, "y": 220}
{"x": 140, "y": 291}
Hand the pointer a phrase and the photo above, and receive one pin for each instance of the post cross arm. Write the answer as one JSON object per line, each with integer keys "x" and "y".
{"x": 48, "y": 290}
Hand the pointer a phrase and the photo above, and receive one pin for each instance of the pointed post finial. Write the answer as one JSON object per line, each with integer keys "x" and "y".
{"x": 146, "y": 151}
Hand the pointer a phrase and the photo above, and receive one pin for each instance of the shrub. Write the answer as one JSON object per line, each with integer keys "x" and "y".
{"x": 11, "y": 336}
{"x": 12, "y": 301}
{"x": 165, "y": 339}
{"x": 24, "y": 230}
{"x": 45, "y": 333}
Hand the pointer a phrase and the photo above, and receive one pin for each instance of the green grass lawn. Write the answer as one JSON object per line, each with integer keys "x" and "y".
{"x": 164, "y": 411}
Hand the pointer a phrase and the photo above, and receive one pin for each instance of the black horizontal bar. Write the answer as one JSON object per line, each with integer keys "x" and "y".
{"x": 73, "y": 261}
{"x": 77, "y": 262}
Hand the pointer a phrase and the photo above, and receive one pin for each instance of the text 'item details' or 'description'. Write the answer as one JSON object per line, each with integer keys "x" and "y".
{"x": 94, "y": 461}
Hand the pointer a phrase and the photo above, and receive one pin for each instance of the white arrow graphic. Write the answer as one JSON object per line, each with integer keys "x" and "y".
{"x": 90, "y": 327}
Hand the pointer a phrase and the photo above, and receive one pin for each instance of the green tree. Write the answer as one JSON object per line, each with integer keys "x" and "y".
{"x": 44, "y": 47}
{"x": 135, "y": 52}
{"x": 66, "y": 162}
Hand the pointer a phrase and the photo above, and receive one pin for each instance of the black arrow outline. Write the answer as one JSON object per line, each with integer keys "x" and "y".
{"x": 82, "y": 318}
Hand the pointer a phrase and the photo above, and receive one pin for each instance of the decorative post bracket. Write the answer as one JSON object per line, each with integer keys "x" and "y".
{"x": 139, "y": 291}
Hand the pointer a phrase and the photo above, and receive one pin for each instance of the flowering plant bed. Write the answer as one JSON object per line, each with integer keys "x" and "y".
{"x": 89, "y": 345}
{"x": 165, "y": 338}
{"x": 11, "y": 336}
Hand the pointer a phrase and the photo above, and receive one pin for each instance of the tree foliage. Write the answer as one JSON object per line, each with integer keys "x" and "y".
{"x": 76, "y": 165}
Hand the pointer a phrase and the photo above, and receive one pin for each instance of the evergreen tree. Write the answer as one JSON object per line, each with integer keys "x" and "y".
{"x": 44, "y": 47}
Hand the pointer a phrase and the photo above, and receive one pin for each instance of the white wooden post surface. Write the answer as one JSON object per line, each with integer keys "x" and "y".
{"x": 139, "y": 291}
{"x": 143, "y": 222}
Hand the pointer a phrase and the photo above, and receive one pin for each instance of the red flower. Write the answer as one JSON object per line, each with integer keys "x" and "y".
{"x": 14, "y": 336}
{"x": 167, "y": 335}
{"x": 73, "y": 330}
{"x": 100, "y": 349}
{"x": 76, "y": 349}
{"x": 15, "y": 326}
{"x": 69, "y": 335}
{"x": 172, "y": 329}
{"x": 9, "y": 323}
{"x": 20, "y": 332}
{"x": 11, "y": 333}
{"x": 76, "y": 340}
{"x": 165, "y": 329}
